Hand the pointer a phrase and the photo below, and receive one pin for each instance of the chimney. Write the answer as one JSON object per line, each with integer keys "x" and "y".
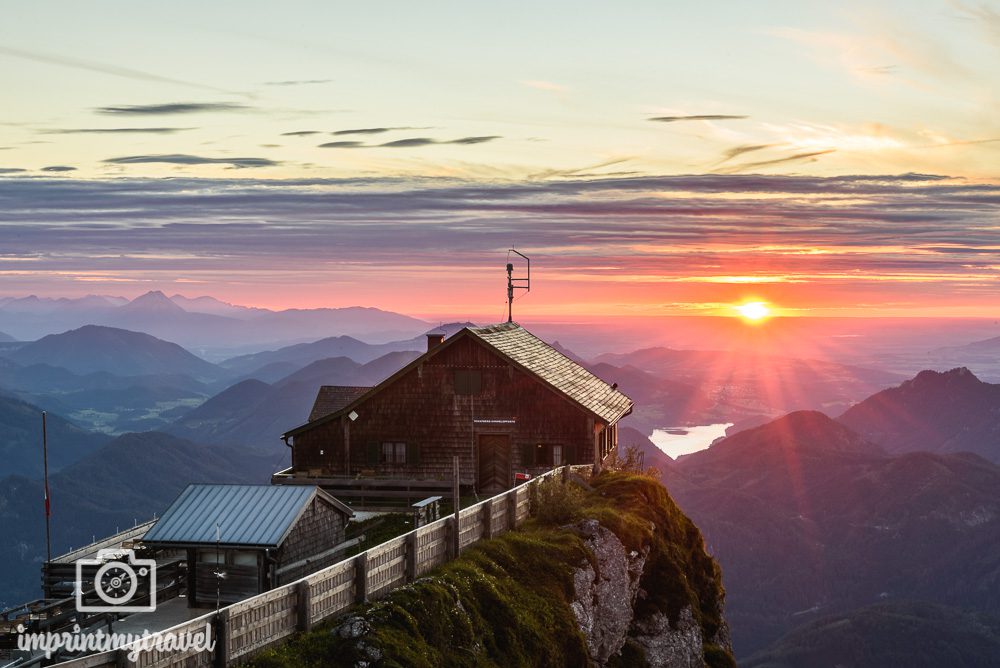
{"x": 434, "y": 339}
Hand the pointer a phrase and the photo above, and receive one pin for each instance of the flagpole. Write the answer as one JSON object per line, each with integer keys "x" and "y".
{"x": 48, "y": 505}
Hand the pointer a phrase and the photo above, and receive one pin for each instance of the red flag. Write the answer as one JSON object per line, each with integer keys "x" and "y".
{"x": 48, "y": 506}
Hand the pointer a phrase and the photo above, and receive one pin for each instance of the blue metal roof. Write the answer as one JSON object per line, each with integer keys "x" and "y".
{"x": 257, "y": 515}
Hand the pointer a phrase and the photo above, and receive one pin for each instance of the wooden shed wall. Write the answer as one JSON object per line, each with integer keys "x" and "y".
{"x": 423, "y": 409}
{"x": 320, "y": 528}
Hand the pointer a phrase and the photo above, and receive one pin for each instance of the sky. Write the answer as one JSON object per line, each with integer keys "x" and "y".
{"x": 652, "y": 158}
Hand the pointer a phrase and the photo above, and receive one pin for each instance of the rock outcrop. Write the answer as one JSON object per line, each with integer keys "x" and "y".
{"x": 608, "y": 574}
{"x": 605, "y": 593}
{"x": 605, "y": 590}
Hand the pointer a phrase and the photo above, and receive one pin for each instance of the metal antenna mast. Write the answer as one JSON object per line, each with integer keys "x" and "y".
{"x": 516, "y": 283}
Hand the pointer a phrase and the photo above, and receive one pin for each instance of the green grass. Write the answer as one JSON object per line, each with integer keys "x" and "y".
{"x": 378, "y": 530}
{"x": 505, "y": 602}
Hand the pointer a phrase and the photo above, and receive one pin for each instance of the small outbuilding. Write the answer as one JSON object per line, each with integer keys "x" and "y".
{"x": 242, "y": 540}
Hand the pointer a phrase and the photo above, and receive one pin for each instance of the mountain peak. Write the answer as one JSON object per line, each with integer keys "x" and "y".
{"x": 930, "y": 379}
{"x": 155, "y": 301}
{"x": 937, "y": 411}
{"x": 800, "y": 432}
{"x": 121, "y": 352}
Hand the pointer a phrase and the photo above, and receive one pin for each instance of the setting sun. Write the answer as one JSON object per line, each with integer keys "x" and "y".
{"x": 754, "y": 311}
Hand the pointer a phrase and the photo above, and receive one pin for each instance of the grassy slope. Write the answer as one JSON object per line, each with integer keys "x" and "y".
{"x": 505, "y": 602}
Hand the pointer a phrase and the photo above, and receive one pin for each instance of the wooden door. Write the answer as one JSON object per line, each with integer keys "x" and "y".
{"x": 494, "y": 463}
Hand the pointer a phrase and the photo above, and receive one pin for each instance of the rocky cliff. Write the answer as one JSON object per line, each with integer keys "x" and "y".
{"x": 611, "y": 576}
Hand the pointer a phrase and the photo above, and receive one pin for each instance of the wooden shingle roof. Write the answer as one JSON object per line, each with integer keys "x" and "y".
{"x": 332, "y": 398}
{"x": 548, "y": 364}
{"x": 512, "y": 342}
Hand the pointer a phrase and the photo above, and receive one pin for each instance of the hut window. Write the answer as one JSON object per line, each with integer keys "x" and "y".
{"x": 212, "y": 556}
{"x": 393, "y": 453}
{"x": 546, "y": 454}
{"x": 244, "y": 559}
{"x": 468, "y": 381}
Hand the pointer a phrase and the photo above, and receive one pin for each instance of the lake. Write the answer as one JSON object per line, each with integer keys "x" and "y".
{"x": 677, "y": 441}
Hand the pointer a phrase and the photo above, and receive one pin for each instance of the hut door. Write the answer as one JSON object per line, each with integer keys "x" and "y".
{"x": 494, "y": 462}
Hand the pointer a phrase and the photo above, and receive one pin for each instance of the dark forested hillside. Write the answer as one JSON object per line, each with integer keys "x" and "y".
{"x": 915, "y": 635}
{"x": 128, "y": 480}
{"x": 808, "y": 518}
{"x": 21, "y": 445}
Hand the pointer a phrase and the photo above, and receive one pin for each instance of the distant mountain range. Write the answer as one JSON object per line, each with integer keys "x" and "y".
{"x": 256, "y": 413}
{"x": 809, "y": 518}
{"x": 735, "y": 386}
{"x": 938, "y": 412}
{"x": 114, "y": 380}
{"x": 299, "y": 355}
{"x": 120, "y": 352}
{"x": 129, "y": 479}
{"x": 914, "y": 635}
{"x": 201, "y": 323}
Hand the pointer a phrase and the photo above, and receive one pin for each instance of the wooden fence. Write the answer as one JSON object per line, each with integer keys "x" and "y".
{"x": 243, "y": 629}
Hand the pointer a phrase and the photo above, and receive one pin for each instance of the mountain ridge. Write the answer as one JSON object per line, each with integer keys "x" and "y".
{"x": 949, "y": 411}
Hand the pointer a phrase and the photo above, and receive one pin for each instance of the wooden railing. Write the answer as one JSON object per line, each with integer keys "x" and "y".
{"x": 243, "y": 629}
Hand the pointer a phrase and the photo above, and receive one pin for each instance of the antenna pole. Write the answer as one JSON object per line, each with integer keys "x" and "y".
{"x": 510, "y": 292}
{"x": 48, "y": 504}
{"x": 516, "y": 283}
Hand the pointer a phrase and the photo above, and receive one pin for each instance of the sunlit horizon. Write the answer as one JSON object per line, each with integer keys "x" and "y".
{"x": 831, "y": 159}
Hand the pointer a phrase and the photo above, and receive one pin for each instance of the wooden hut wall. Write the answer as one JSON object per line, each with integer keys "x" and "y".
{"x": 433, "y": 422}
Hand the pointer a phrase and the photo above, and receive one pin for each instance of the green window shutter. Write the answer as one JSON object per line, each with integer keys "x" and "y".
{"x": 372, "y": 454}
{"x": 412, "y": 454}
{"x": 569, "y": 454}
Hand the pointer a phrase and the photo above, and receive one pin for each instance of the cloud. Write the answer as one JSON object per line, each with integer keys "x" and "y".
{"x": 545, "y": 85}
{"x": 549, "y": 173}
{"x": 473, "y": 140}
{"x": 988, "y": 17}
{"x": 171, "y": 108}
{"x": 374, "y": 131}
{"x": 880, "y": 69}
{"x": 58, "y": 168}
{"x": 411, "y": 142}
{"x": 101, "y": 68}
{"x": 184, "y": 159}
{"x": 11, "y": 170}
{"x": 968, "y": 142}
{"x": 697, "y": 117}
{"x": 299, "y": 82}
{"x": 864, "y": 51}
{"x": 300, "y": 133}
{"x": 113, "y": 131}
{"x": 343, "y": 144}
{"x": 922, "y": 235}
{"x": 737, "y": 151}
{"x": 810, "y": 155}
